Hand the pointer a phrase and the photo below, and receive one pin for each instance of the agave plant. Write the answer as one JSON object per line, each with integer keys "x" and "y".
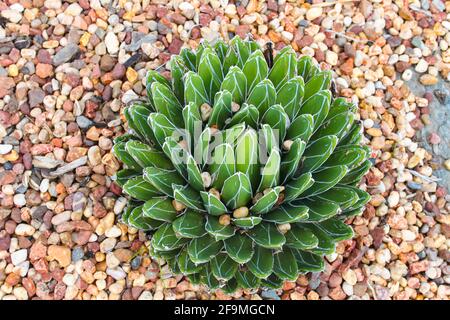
{"x": 243, "y": 166}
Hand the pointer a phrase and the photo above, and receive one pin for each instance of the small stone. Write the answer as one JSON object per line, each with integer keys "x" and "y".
{"x": 224, "y": 219}
{"x": 132, "y": 75}
{"x": 66, "y": 54}
{"x": 187, "y": 9}
{"x": 313, "y": 13}
{"x": 19, "y": 256}
{"x": 428, "y": 80}
{"x": 61, "y": 254}
{"x": 240, "y": 212}
{"x": 393, "y": 199}
{"x": 408, "y": 235}
{"x": 331, "y": 57}
{"x": 421, "y": 66}
{"x": 24, "y": 230}
{"x": 434, "y": 138}
{"x": 108, "y": 244}
{"x": 112, "y": 43}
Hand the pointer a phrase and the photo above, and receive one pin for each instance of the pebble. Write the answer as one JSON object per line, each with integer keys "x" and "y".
{"x": 112, "y": 43}
{"x": 66, "y": 54}
{"x": 19, "y": 256}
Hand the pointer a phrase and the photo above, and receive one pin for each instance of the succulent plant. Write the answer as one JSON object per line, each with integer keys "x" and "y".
{"x": 243, "y": 166}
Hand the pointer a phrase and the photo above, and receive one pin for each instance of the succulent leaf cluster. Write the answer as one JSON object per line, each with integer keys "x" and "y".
{"x": 243, "y": 168}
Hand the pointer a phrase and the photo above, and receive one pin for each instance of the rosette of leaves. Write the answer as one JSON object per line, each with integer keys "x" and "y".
{"x": 242, "y": 168}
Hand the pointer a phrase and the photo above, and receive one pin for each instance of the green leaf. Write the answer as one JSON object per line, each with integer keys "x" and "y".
{"x": 236, "y": 83}
{"x": 221, "y": 110}
{"x": 338, "y": 126}
{"x": 223, "y": 267}
{"x": 186, "y": 265}
{"x": 308, "y": 262}
{"x": 247, "y": 280}
{"x": 306, "y": 68}
{"x": 262, "y": 96}
{"x": 201, "y": 150}
{"x": 326, "y": 245}
{"x": 247, "y": 114}
{"x": 137, "y": 117}
{"x": 255, "y": 69}
{"x": 236, "y": 191}
{"x": 318, "y": 106}
{"x": 194, "y": 90}
{"x": 301, "y": 238}
{"x": 222, "y": 165}
{"x": 194, "y": 175}
{"x": 320, "y": 81}
{"x": 354, "y": 135}
{"x": 218, "y": 231}
{"x": 208, "y": 278}
{"x": 161, "y": 126}
{"x": 302, "y": 127}
{"x": 267, "y": 235}
{"x": 284, "y": 68}
{"x": 169, "y": 255}
{"x": 247, "y": 222}
{"x": 261, "y": 263}
{"x": 124, "y": 175}
{"x": 162, "y": 180}
{"x": 357, "y": 173}
{"x": 192, "y": 124}
{"x": 317, "y": 153}
{"x": 272, "y": 282}
{"x": 270, "y": 173}
{"x": 203, "y": 249}
{"x": 296, "y": 186}
{"x": 159, "y": 209}
{"x": 291, "y": 160}
{"x": 325, "y": 179}
{"x": 210, "y": 70}
{"x": 239, "y": 247}
{"x": 343, "y": 195}
{"x": 187, "y": 196}
{"x": 178, "y": 69}
{"x": 290, "y": 96}
{"x": 167, "y": 103}
{"x": 285, "y": 265}
{"x": 190, "y": 225}
{"x": 140, "y": 189}
{"x": 335, "y": 229}
{"x": 138, "y": 221}
{"x": 221, "y": 49}
{"x": 146, "y": 156}
{"x": 351, "y": 156}
{"x": 121, "y": 153}
{"x": 212, "y": 204}
{"x": 177, "y": 155}
{"x": 230, "y": 287}
{"x": 242, "y": 51}
{"x": 363, "y": 198}
{"x": 277, "y": 118}
{"x": 268, "y": 139}
{"x": 194, "y": 278}
{"x": 287, "y": 213}
{"x": 247, "y": 156}
{"x": 164, "y": 239}
{"x": 320, "y": 210}
{"x": 188, "y": 58}
{"x": 266, "y": 202}
{"x": 154, "y": 77}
